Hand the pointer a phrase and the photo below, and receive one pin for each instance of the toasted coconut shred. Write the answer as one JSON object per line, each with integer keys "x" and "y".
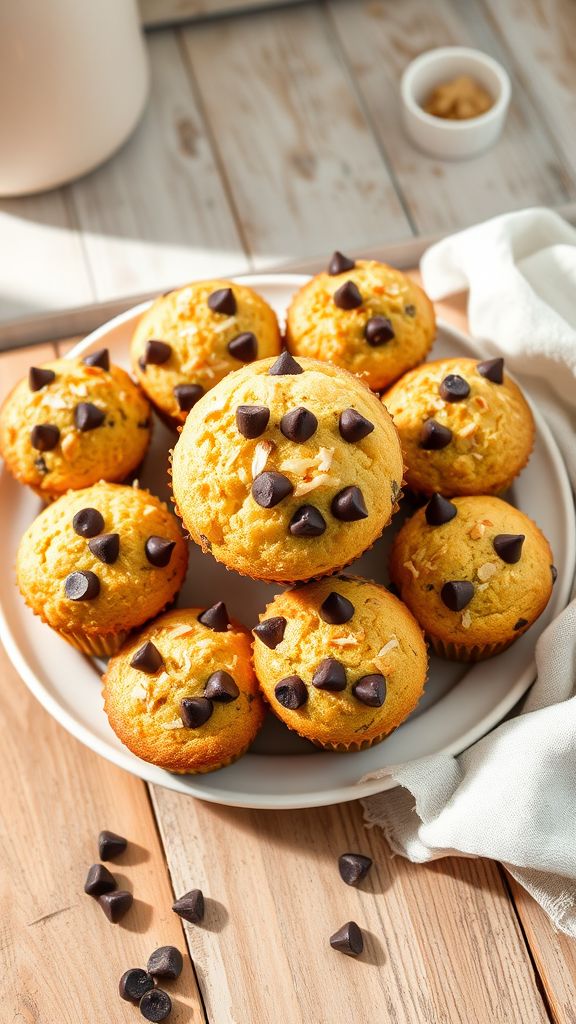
{"x": 261, "y": 453}
{"x": 176, "y": 723}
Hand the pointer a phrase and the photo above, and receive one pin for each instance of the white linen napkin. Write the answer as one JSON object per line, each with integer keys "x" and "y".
{"x": 512, "y": 795}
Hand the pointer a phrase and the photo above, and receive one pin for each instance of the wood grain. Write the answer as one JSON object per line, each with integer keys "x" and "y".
{"x": 170, "y": 12}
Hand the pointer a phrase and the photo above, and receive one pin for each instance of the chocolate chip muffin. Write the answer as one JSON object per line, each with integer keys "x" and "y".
{"x": 476, "y": 572}
{"x": 287, "y": 469}
{"x": 191, "y": 338}
{"x": 72, "y": 422}
{"x": 465, "y": 427}
{"x": 364, "y": 316}
{"x": 341, "y": 662}
{"x": 99, "y": 562}
{"x": 182, "y": 694}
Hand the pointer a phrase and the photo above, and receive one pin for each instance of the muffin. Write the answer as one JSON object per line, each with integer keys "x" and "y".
{"x": 341, "y": 662}
{"x": 465, "y": 427}
{"x": 183, "y": 694}
{"x": 364, "y": 316}
{"x": 287, "y": 470}
{"x": 476, "y": 572}
{"x": 73, "y": 422}
{"x": 99, "y": 562}
{"x": 191, "y": 338}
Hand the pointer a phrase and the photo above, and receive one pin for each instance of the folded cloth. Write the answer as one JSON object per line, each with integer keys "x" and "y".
{"x": 512, "y": 795}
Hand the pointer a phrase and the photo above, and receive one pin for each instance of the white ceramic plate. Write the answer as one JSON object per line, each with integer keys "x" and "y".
{"x": 460, "y": 704}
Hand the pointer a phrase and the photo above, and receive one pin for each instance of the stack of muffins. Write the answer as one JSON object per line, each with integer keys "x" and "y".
{"x": 289, "y": 465}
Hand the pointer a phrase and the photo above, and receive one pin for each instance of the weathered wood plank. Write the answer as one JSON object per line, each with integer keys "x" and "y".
{"x": 169, "y": 12}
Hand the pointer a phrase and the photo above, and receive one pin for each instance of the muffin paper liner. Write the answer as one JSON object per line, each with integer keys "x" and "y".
{"x": 468, "y": 652}
{"x": 102, "y": 646}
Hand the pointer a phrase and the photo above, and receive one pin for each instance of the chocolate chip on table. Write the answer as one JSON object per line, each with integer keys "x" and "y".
{"x": 353, "y": 867}
{"x": 492, "y": 369}
{"x": 353, "y": 426}
{"x": 439, "y": 510}
{"x": 38, "y": 378}
{"x": 252, "y": 420}
{"x": 291, "y": 692}
{"x": 370, "y": 690}
{"x": 554, "y": 573}
{"x": 216, "y": 617}
{"x": 190, "y": 906}
{"x": 307, "y": 521}
{"x": 110, "y": 844}
{"x": 106, "y": 547}
{"x": 116, "y": 904}
{"x": 347, "y": 296}
{"x": 156, "y": 352}
{"x": 187, "y": 395}
{"x": 88, "y": 522}
{"x": 508, "y": 546}
{"x": 244, "y": 347}
{"x": 147, "y": 658}
{"x": 165, "y": 962}
{"x": 195, "y": 711}
{"x": 299, "y": 425}
{"x": 271, "y": 631}
{"x": 159, "y": 551}
{"x": 285, "y": 366}
{"x": 454, "y": 388}
{"x": 99, "y": 880}
{"x": 271, "y": 488}
{"x": 88, "y": 416}
{"x": 434, "y": 435}
{"x": 348, "y": 505}
{"x": 44, "y": 437}
{"x": 100, "y": 358}
{"x": 336, "y": 609}
{"x": 222, "y": 301}
{"x": 339, "y": 264}
{"x": 221, "y": 688}
{"x": 155, "y": 1005}
{"x": 134, "y": 983}
{"x": 81, "y": 586}
{"x": 378, "y": 331}
{"x": 330, "y": 675}
{"x": 348, "y": 939}
{"x": 520, "y": 624}
{"x": 456, "y": 594}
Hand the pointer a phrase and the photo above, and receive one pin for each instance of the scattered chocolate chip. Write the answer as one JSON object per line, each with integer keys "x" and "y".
{"x": 252, "y": 420}
{"x": 244, "y": 347}
{"x": 99, "y": 358}
{"x": 348, "y": 505}
{"x": 147, "y": 658}
{"x": 187, "y": 395}
{"x": 195, "y": 711}
{"x": 554, "y": 572}
{"x": 190, "y": 906}
{"x": 116, "y": 904}
{"x": 347, "y": 296}
{"x": 271, "y": 631}
{"x": 330, "y": 675}
{"x": 285, "y": 366}
{"x": 216, "y": 617}
{"x": 456, "y": 594}
{"x": 339, "y": 264}
{"x": 44, "y": 437}
{"x": 99, "y": 880}
{"x": 106, "y": 547}
{"x": 134, "y": 984}
{"x": 454, "y": 388}
{"x": 353, "y": 426}
{"x": 353, "y": 867}
{"x": 155, "y": 1005}
{"x": 165, "y": 962}
{"x": 221, "y": 688}
{"x": 434, "y": 435}
{"x": 299, "y": 425}
{"x": 378, "y": 331}
{"x": 370, "y": 690}
{"x": 222, "y": 301}
{"x": 492, "y": 369}
{"x": 410, "y": 310}
{"x": 269, "y": 489}
{"x": 439, "y": 510}
{"x": 307, "y": 521}
{"x": 508, "y": 546}
{"x": 88, "y": 522}
{"x": 159, "y": 551}
{"x": 157, "y": 352}
{"x": 291, "y": 692}
{"x": 111, "y": 845}
{"x": 38, "y": 378}
{"x": 520, "y": 624}
{"x": 348, "y": 939}
{"x": 336, "y": 609}
{"x": 88, "y": 416}
{"x": 40, "y": 465}
{"x": 81, "y": 586}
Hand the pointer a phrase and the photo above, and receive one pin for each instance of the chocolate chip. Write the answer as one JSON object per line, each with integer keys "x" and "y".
{"x": 348, "y": 505}
{"x": 492, "y": 369}
{"x": 456, "y": 594}
{"x": 410, "y": 310}
{"x": 134, "y": 984}
{"x": 520, "y": 624}
{"x": 88, "y": 416}
{"x": 38, "y": 378}
{"x": 554, "y": 572}
{"x": 307, "y": 521}
{"x": 159, "y": 551}
{"x": 99, "y": 358}
{"x": 190, "y": 906}
{"x": 348, "y": 939}
{"x": 269, "y": 489}
{"x": 454, "y": 388}
{"x": 82, "y": 586}
{"x": 347, "y": 296}
{"x": 285, "y": 366}
{"x": 216, "y": 617}
{"x": 106, "y": 547}
{"x": 187, "y": 395}
{"x": 339, "y": 264}
{"x": 111, "y": 845}
{"x": 195, "y": 711}
{"x": 155, "y": 1005}
{"x": 147, "y": 658}
{"x": 271, "y": 631}
{"x": 222, "y": 301}
{"x": 291, "y": 692}
{"x": 353, "y": 426}
{"x": 116, "y": 904}
{"x": 508, "y": 546}
{"x": 439, "y": 510}
{"x": 330, "y": 675}
{"x": 165, "y": 962}
{"x": 99, "y": 880}
{"x": 353, "y": 867}
{"x": 370, "y": 690}
{"x": 88, "y": 522}
{"x": 44, "y": 437}
{"x": 299, "y": 425}
{"x": 434, "y": 435}
{"x": 157, "y": 352}
{"x": 378, "y": 331}
{"x": 336, "y": 609}
{"x": 221, "y": 688}
{"x": 244, "y": 347}
{"x": 252, "y": 420}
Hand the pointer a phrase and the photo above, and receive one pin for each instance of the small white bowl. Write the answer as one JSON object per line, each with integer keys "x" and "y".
{"x": 441, "y": 137}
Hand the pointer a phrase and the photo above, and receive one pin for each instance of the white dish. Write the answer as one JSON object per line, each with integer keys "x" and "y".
{"x": 461, "y": 703}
